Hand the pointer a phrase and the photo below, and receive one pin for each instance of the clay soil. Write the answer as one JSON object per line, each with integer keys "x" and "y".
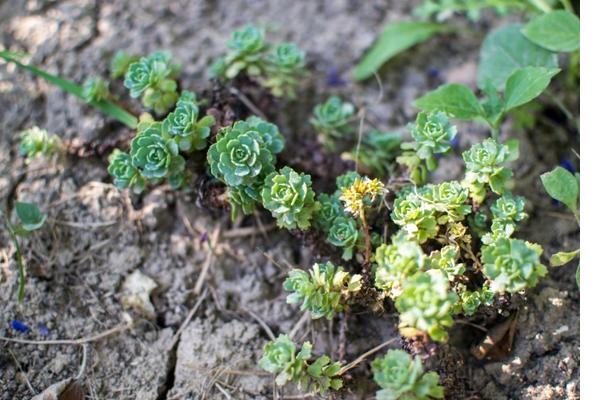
{"x": 205, "y": 344}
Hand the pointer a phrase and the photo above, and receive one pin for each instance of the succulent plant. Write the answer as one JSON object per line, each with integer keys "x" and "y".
{"x": 240, "y": 157}
{"x": 269, "y": 133}
{"x": 153, "y": 78}
{"x": 397, "y": 261}
{"x": 450, "y": 199}
{"x": 433, "y": 134}
{"x": 417, "y": 221}
{"x": 376, "y": 153}
{"x": 124, "y": 173}
{"x": 183, "y": 126}
{"x": 485, "y": 166}
{"x": 509, "y": 208}
{"x": 95, "y": 89}
{"x": 324, "y": 292}
{"x": 346, "y": 180}
{"x": 446, "y": 260}
{"x": 344, "y": 233}
{"x": 332, "y": 120}
{"x": 120, "y": 63}
{"x": 330, "y": 208}
{"x": 470, "y": 301}
{"x": 284, "y": 69}
{"x": 512, "y": 265}
{"x": 37, "y": 142}
{"x": 290, "y": 198}
{"x": 280, "y": 357}
{"x": 247, "y": 49}
{"x": 402, "y": 377}
{"x": 425, "y": 304}
{"x": 153, "y": 155}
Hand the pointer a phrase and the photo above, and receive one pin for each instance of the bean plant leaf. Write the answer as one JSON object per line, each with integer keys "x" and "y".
{"x": 563, "y": 257}
{"x": 396, "y": 37}
{"x": 526, "y": 84}
{"x": 107, "y": 107}
{"x": 562, "y": 185}
{"x": 454, "y": 99}
{"x": 506, "y": 50}
{"x": 556, "y": 31}
{"x": 30, "y": 216}
{"x": 513, "y": 149}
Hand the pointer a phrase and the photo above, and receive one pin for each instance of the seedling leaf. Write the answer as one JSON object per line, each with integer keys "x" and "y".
{"x": 526, "y": 84}
{"x": 396, "y": 37}
{"x": 107, "y": 107}
{"x": 454, "y": 99}
{"x": 563, "y": 257}
{"x": 30, "y": 215}
{"x": 562, "y": 185}
{"x": 556, "y": 31}
{"x": 506, "y": 50}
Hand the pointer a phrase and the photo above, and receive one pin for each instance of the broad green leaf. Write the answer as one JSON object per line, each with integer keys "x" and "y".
{"x": 563, "y": 257}
{"x": 562, "y": 185}
{"x": 454, "y": 99}
{"x": 30, "y": 215}
{"x": 506, "y": 50}
{"x": 513, "y": 149}
{"x": 556, "y": 31}
{"x": 396, "y": 37}
{"x": 107, "y": 107}
{"x": 526, "y": 84}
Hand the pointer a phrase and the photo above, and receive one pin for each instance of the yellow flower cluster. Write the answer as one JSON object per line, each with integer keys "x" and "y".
{"x": 363, "y": 191}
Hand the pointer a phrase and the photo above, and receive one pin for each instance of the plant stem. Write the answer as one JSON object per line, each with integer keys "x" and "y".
{"x": 18, "y": 256}
{"x": 363, "y": 220}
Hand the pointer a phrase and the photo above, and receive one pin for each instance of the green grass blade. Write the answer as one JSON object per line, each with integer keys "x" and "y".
{"x": 107, "y": 107}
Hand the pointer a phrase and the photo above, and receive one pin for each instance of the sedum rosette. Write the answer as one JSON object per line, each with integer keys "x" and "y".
{"x": 155, "y": 156}
{"x": 426, "y": 304}
{"x": 290, "y": 198}
{"x": 395, "y": 262}
{"x": 95, "y": 89}
{"x": 37, "y": 142}
{"x": 344, "y": 233}
{"x": 402, "y": 377}
{"x": 512, "y": 265}
{"x": 240, "y": 156}
{"x": 153, "y": 78}
{"x": 485, "y": 166}
{"x": 280, "y": 357}
{"x": 324, "y": 291}
{"x": 183, "y": 126}
{"x": 124, "y": 173}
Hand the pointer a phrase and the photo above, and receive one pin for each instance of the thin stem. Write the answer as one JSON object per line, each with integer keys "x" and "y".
{"x": 363, "y": 220}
